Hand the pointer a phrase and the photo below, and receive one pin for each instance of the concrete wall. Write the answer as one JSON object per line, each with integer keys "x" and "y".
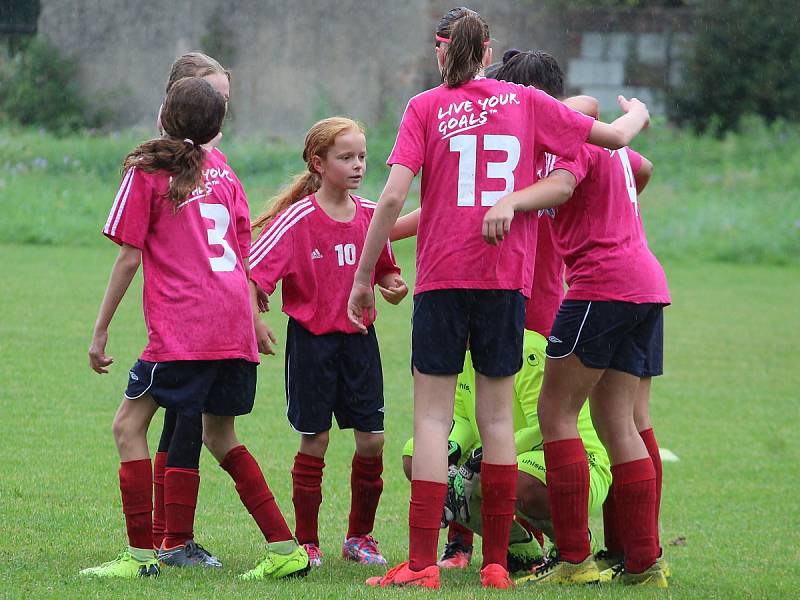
{"x": 294, "y": 61}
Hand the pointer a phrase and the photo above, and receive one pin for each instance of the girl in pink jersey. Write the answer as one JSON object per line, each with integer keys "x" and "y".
{"x": 182, "y": 213}
{"x": 179, "y": 548}
{"x": 606, "y": 343}
{"x": 311, "y": 239}
{"x": 475, "y": 141}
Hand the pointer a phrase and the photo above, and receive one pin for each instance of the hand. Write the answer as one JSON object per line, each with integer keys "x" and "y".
{"x": 459, "y": 492}
{"x": 635, "y": 105}
{"x": 98, "y": 360}
{"x": 264, "y": 337}
{"x": 393, "y": 288}
{"x": 360, "y": 305}
{"x": 262, "y": 300}
{"x": 497, "y": 222}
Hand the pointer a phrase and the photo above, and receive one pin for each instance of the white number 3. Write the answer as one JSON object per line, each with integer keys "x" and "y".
{"x": 216, "y": 237}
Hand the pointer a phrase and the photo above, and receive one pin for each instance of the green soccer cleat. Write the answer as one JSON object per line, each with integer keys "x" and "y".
{"x": 524, "y": 556}
{"x": 652, "y": 577}
{"x": 283, "y": 559}
{"x": 133, "y": 562}
{"x": 608, "y": 564}
{"x": 562, "y": 572}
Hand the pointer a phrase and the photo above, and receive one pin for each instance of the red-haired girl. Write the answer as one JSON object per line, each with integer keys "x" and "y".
{"x": 312, "y": 238}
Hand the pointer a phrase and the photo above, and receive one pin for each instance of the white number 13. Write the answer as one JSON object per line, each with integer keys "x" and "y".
{"x": 216, "y": 237}
{"x": 467, "y": 148}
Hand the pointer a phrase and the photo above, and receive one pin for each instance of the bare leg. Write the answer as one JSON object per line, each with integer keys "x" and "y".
{"x": 433, "y": 415}
{"x": 493, "y": 411}
{"x": 315, "y": 444}
{"x": 612, "y": 404}
{"x": 130, "y": 427}
{"x": 368, "y": 444}
{"x": 219, "y": 435}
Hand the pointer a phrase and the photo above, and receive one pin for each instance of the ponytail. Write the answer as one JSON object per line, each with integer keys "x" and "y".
{"x": 467, "y": 35}
{"x": 183, "y": 160}
{"x": 319, "y": 139}
{"x": 302, "y": 185}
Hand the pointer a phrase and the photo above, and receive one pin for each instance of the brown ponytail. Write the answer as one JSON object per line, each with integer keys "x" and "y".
{"x": 468, "y": 34}
{"x": 192, "y": 116}
{"x": 319, "y": 139}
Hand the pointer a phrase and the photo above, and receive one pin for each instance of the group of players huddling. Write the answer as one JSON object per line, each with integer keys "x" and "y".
{"x": 522, "y": 191}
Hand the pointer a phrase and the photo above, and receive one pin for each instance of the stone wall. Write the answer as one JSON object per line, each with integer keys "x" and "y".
{"x": 295, "y": 61}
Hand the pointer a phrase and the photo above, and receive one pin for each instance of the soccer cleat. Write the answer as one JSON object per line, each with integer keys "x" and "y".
{"x": 277, "y": 565}
{"x": 127, "y": 565}
{"x": 564, "y": 573}
{"x": 362, "y": 549}
{"x": 524, "y": 556}
{"x": 314, "y": 555}
{"x": 495, "y": 576}
{"x": 403, "y": 576}
{"x": 455, "y": 555}
{"x": 188, "y": 555}
{"x": 665, "y": 568}
{"x": 652, "y": 577}
{"x": 608, "y": 564}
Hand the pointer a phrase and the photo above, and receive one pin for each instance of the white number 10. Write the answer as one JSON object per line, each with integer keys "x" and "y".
{"x": 346, "y": 254}
{"x": 467, "y": 148}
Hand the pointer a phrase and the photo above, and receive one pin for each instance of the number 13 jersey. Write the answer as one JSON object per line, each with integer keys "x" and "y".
{"x": 316, "y": 257}
{"x": 475, "y": 144}
{"x": 196, "y": 297}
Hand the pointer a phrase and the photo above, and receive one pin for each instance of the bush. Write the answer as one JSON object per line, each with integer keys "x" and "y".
{"x": 39, "y": 87}
{"x": 745, "y": 61}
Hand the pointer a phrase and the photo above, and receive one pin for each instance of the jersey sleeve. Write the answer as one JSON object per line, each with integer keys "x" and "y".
{"x": 129, "y": 220}
{"x": 409, "y": 147}
{"x": 386, "y": 262}
{"x": 242, "y": 208}
{"x": 558, "y": 129}
{"x": 270, "y": 256}
{"x": 635, "y": 159}
{"x": 462, "y": 432}
{"x": 527, "y": 385}
{"x": 578, "y": 166}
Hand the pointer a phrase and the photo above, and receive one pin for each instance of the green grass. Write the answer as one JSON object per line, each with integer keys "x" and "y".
{"x": 728, "y": 200}
{"x": 728, "y": 407}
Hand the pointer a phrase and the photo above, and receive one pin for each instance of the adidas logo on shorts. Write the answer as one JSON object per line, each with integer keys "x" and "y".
{"x": 316, "y": 254}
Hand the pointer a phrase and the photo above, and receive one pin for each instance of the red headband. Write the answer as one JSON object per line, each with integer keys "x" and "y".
{"x": 445, "y": 40}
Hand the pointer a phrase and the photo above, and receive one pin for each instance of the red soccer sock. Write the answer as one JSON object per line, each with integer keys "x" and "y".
{"x": 649, "y": 439}
{"x": 611, "y": 527}
{"x": 458, "y": 531}
{"x": 180, "y": 502}
{"x": 568, "y": 489}
{"x": 159, "y": 516}
{"x": 136, "y": 486}
{"x": 635, "y": 496}
{"x": 366, "y": 487}
{"x": 498, "y": 492}
{"x": 424, "y": 516}
{"x": 255, "y": 494}
{"x": 307, "y": 496}
{"x": 527, "y": 526}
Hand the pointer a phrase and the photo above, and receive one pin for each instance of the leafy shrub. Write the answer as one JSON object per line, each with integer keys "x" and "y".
{"x": 745, "y": 61}
{"x": 39, "y": 87}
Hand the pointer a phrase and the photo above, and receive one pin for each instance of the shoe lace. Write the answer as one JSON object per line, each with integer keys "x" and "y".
{"x": 617, "y": 570}
{"x": 194, "y": 549}
{"x": 548, "y": 565}
{"x": 369, "y": 543}
{"x": 451, "y": 549}
{"x": 393, "y": 571}
{"x": 122, "y": 555}
{"x": 312, "y": 550}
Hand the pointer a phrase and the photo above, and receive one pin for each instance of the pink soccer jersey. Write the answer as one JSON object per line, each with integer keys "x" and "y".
{"x": 548, "y": 276}
{"x": 475, "y": 144}
{"x": 599, "y": 231}
{"x": 196, "y": 292}
{"x": 316, "y": 257}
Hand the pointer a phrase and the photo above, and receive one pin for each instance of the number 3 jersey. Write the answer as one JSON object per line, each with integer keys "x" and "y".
{"x": 316, "y": 258}
{"x": 475, "y": 144}
{"x": 196, "y": 296}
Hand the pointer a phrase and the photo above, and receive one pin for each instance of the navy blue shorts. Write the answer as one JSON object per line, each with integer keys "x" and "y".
{"x": 335, "y": 374}
{"x": 490, "y": 321}
{"x": 610, "y": 335}
{"x": 225, "y": 388}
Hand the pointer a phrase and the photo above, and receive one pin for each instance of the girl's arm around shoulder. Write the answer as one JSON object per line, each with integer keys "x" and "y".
{"x": 587, "y": 105}
{"x": 620, "y": 133}
{"x": 406, "y": 226}
{"x": 554, "y": 190}
{"x": 122, "y": 273}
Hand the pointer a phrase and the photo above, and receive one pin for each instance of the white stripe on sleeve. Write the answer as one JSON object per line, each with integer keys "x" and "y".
{"x": 122, "y": 189}
{"x": 273, "y": 227}
{"x": 258, "y": 256}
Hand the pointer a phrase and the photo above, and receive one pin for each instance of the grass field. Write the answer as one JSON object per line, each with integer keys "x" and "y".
{"x": 728, "y": 407}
